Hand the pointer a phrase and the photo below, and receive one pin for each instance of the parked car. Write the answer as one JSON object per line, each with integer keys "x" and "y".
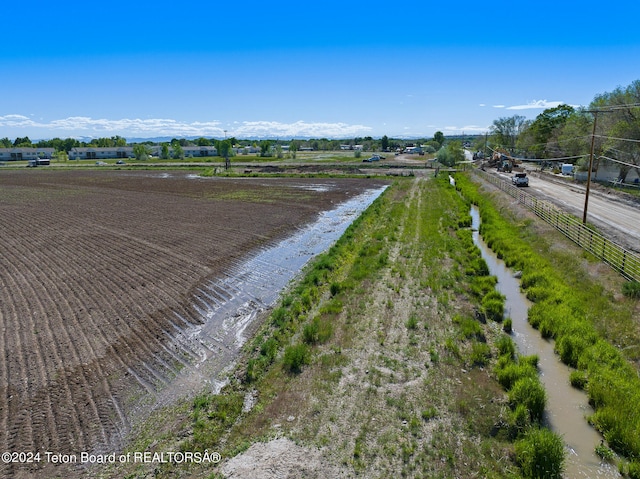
{"x": 520, "y": 179}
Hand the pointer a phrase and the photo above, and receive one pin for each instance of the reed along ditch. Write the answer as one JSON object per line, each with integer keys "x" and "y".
{"x": 567, "y": 407}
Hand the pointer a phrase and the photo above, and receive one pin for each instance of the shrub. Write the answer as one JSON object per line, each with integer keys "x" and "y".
{"x": 493, "y": 306}
{"x": 507, "y": 325}
{"x": 296, "y": 356}
{"x": 529, "y": 391}
{"x": 570, "y": 347}
{"x": 531, "y": 360}
{"x": 634, "y": 470}
{"x": 481, "y": 285}
{"x": 506, "y": 347}
{"x": 512, "y": 373}
{"x": 412, "y": 322}
{"x": 469, "y": 327}
{"x": 480, "y": 354}
{"x": 429, "y": 413}
{"x": 578, "y": 379}
{"x": 631, "y": 289}
{"x": 540, "y": 454}
{"x": 519, "y": 421}
{"x": 279, "y": 316}
{"x": 317, "y": 331}
{"x": 269, "y": 349}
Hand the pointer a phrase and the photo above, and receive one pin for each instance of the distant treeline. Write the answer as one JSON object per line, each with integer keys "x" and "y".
{"x": 368, "y": 143}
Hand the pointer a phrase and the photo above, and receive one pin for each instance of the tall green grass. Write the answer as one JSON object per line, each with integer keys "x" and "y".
{"x": 574, "y": 310}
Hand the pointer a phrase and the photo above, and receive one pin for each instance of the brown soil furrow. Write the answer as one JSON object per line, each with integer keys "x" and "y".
{"x": 109, "y": 262}
{"x": 48, "y": 346}
{"x": 32, "y": 366}
{"x": 183, "y": 345}
{"x": 177, "y": 359}
{"x": 146, "y": 343}
{"x": 143, "y": 382}
{"x": 71, "y": 340}
{"x": 5, "y": 307}
{"x": 160, "y": 380}
{"x": 117, "y": 347}
{"x": 76, "y": 336}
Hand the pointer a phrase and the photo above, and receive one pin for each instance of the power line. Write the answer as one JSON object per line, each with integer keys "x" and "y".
{"x": 537, "y": 159}
{"x": 621, "y": 162}
{"x": 613, "y": 108}
{"x": 617, "y": 139}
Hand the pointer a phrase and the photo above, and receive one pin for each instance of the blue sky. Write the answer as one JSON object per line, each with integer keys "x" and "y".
{"x": 285, "y": 69}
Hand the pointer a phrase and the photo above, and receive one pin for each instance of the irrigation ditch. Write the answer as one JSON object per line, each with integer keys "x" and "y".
{"x": 595, "y": 330}
{"x": 567, "y": 407}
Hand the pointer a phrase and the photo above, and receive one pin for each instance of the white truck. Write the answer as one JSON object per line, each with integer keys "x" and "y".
{"x": 520, "y": 179}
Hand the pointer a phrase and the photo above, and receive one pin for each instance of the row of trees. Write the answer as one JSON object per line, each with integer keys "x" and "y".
{"x": 566, "y": 133}
{"x": 322, "y": 144}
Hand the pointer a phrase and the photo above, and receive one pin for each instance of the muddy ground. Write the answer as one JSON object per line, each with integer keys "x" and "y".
{"x": 97, "y": 275}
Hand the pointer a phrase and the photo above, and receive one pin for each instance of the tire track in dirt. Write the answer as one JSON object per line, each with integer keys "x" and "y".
{"x": 28, "y": 431}
{"x": 77, "y": 356}
{"x": 112, "y": 263}
{"x": 46, "y": 343}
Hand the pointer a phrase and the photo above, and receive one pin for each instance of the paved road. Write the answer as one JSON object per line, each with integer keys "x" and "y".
{"x": 617, "y": 218}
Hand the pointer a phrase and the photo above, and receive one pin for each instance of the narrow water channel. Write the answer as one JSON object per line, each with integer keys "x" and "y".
{"x": 229, "y": 305}
{"x": 567, "y": 407}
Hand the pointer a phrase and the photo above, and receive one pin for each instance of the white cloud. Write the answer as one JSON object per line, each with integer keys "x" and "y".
{"x": 87, "y": 126}
{"x": 299, "y": 129}
{"x": 472, "y": 129}
{"x": 498, "y": 106}
{"x": 536, "y": 104}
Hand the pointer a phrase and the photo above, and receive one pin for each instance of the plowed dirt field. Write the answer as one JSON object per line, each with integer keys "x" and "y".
{"x": 97, "y": 274}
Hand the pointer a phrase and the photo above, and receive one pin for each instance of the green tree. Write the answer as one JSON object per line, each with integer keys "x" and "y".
{"x": 22, "y": 142}
{"x": 265, "y": 148}
{"x": 119, "y": 141}
{"x": 225, "y": 150}
{"x": 438, "y": 137}
{"x": 574, "y": 135}
{"x": 178, "y": 152}
{"x": 5, "y": 143}
{"x": 164, "y": 151}
{"x": 384, "y": 143}
{"x": 505, "y": 131}
{"x": 294, "y": 147}
{"x": 540, "y": 136}
{"x": 451, "y": 154}
{"x": 621, "y": 125}
{"x": 141, "y": 152}
{"x": 203, "y": 141}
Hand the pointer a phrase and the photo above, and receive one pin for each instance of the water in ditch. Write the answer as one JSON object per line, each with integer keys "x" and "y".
{"x": 567, "y": 407}
{"x": 230, "y": 305}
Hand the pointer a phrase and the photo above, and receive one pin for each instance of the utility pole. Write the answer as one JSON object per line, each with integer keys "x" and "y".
{"x": 591, "y": 154}
{"x": 593, "y": 142}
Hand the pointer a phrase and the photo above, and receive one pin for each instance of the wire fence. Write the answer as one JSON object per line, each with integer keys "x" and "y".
{"x": 626, "y": 262}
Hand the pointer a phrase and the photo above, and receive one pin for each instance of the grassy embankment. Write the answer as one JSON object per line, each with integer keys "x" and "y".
{"x": 389, "y": 354}
{"x": 584, "y": 318}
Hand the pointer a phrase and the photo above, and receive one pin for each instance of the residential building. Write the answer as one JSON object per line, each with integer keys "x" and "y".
{"x": 18, "y": 154}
